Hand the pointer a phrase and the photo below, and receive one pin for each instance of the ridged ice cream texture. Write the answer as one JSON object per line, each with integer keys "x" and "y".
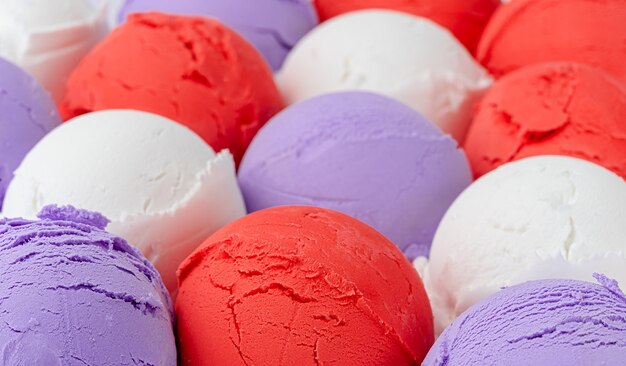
{"x": 540, "y": 217}
{"x": 162, "y": 187}
{"x": 49, "y": 38}
{"x": 73, "y": 294}
{"x": 544, "y": 323}
{"x": 402, "y": 56}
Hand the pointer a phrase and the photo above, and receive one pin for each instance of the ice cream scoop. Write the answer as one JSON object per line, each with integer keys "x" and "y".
{"x": 546, "y": 322}
{"x": 49, "y": 38}
{"x": 194, "y": 71}
{"x": 551, "y": 109}
{"x": 272, "y": 26}
{"x": 536, "y": 218}
{"x": 26, "y": 114}
{"x": 301, "y": 286}
{"x": 73, "y": 294}
{"x": 402, "y": 56}
{"x": 362, "y": 154}
{"x": 164, "y": 189}
{"x": 525, "y": 32}
{"x": 466, "y": 19}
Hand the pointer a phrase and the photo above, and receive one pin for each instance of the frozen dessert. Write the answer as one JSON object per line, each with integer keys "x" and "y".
{"x": 550, "y": 109}
{"x": 362, "y": 154}
{"x": 164, "y": 190}
{"x": 73, "y": 294}
{"x": 466, "y": 19}
{"x": 398, "y": 55}
{"x": 547, "y": 322}
{"x": 541, "y": 217}
{"x": 301, "y": 286}
{"x": 273, "y": 26}
{"x": 26, "y": 114}
{"x": 525, "y": 32}
{"x": 49, "y": 38}
{"x": 194, "y": 71}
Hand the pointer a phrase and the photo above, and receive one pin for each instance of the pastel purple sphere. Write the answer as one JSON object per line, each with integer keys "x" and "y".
{"x": 272, "y": 26}
{"x": 73, "y": 294}
{"x": 543, "y": 323}
{"x": 27, "y": 113}
{"x": 362, "y": 154}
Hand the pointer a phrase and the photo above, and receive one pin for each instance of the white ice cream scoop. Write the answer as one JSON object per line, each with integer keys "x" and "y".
{"x": 537, "y": 218}
{"x": 402, "y": 56}
{"x": 48, "y": 38}
{"x": 163, "y": 188}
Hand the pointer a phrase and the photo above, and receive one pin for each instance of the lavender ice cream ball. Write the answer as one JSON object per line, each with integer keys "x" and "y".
{"x": 273, "y": 26}
{"x": 362, "y": 154}
{"x": 27, "y": 113}
{"x": 543, "y": 323}
{"x": 73, "y": 294}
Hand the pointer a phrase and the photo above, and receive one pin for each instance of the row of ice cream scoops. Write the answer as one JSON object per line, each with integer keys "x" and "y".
{"x": 166, "y": 186}
{"x": 284, "y": 285}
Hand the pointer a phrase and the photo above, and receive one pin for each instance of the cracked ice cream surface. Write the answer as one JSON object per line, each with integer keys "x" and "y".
{"x": 272, "y": 26}
{"x": 49, "y": 38}
{"x": 551, "y": 109}
{"x": 361, "y": 154}
{"x": 26, "y": 114}
{"x": 169, "y": 192}
{"x": 408, "y": 58}
{"x": 73, "y": 294}
{"x": 540, "y": 217}
{"x": 192, "y": 70}
{"x": 527, "y": 32}
{"x": 301, "y": 285}
{"x": 545, "y": 322}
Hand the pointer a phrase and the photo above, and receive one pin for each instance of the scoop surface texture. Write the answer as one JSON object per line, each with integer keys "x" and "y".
{"x": 362, "y": 154}
{"x": 546, "y": 322}
{"x": 301, "y": 286}
{"x": 73, "y": 294}
{"x": 195, "y": 71}
{"x": 49, "y": 38}
{"x": 407, "y": 58}
{"x": 551, "y": 109}
{"x": 164, "y": 189}
{"x": 536, "y": 218}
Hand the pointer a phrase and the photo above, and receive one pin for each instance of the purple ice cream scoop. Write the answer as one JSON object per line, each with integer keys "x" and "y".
{"x": 73, "y": 294}
{"x": 539, "y": 323}
{"x": 27, "y": 113}
{"x": 362, "y": 154}
{"x": 273, "y": 26}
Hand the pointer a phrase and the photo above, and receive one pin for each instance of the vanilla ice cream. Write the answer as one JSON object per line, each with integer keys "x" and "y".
{"x": 402, "y": 56}
{"x": 541, "y": 217}
{"x": 164, "y": 189}
{"x": 49, "y": 38}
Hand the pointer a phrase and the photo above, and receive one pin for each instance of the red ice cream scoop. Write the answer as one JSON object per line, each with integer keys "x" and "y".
{"x": 195, "y": 71}
{"x": 551, "y": 109}
{"x": 301, "y": 286}
{"x": 525, "y": 32}
{"x": 466, "y": 19}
